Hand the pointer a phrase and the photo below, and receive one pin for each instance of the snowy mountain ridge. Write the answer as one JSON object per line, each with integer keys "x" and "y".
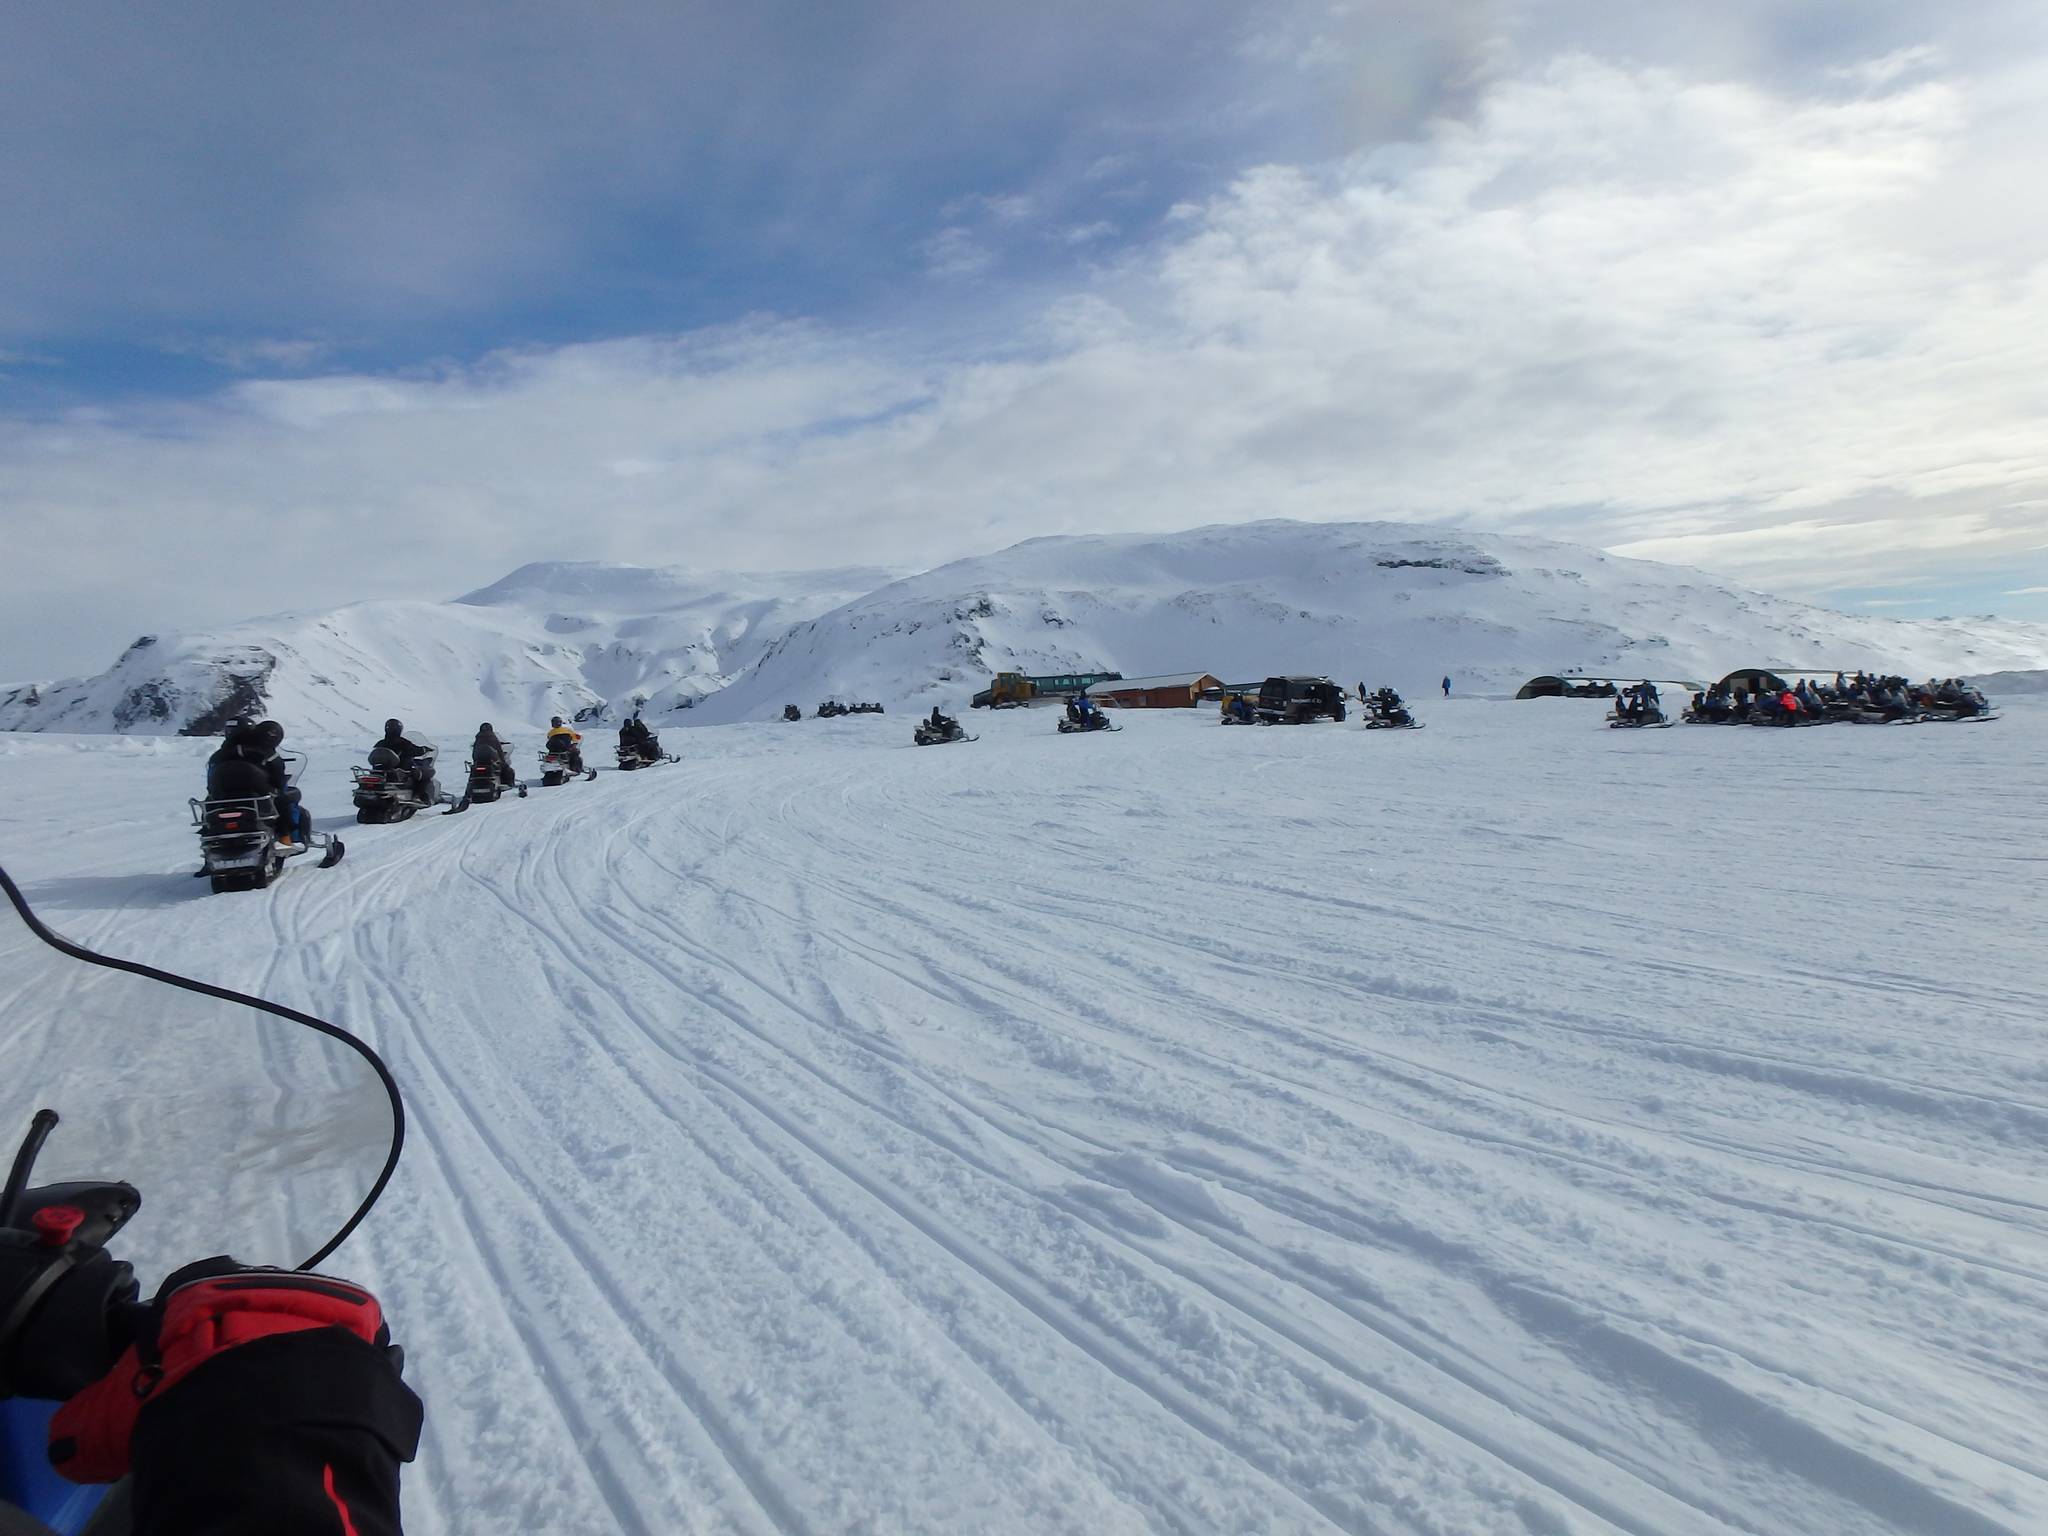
{"x": 1375, "y": 602}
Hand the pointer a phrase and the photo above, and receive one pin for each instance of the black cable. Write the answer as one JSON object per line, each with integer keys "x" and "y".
{"x": 334, "y": 1031}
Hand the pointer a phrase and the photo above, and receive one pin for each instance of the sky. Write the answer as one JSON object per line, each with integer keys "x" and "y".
{"x": 301, "y": 305}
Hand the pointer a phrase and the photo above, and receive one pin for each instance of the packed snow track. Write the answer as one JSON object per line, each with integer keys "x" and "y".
{"x": 1513, "y": 1127}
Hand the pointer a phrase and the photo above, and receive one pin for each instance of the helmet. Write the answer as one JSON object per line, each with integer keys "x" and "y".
{"x": 267, "y": 733}
{"x": 394, "y": 727}
{"x": 554, "y": 720}
{"x": 484, "y": 729}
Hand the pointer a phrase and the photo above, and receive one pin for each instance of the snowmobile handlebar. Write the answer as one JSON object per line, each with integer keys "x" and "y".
{"x": 64, "y": 1300}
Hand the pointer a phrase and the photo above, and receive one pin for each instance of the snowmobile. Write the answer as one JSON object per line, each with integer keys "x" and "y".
{"x": 1638, "y": 708}
{"x": 558, "y": 768}
{"x": 642, "y": 756}
{"x": 1089, "y": 720}
{"x": 1968, "y": 707}
{"x": 264, "y": 1132}
{"x": 926, "y": 736}
{"x": 831, "y": 709}
{"x": 1387, "y": 712}
{"x": 385, "y": 791}
{"x": 791, "y": 712}
{"x": 485, "y": 785}
{"x": 239, "y": 848}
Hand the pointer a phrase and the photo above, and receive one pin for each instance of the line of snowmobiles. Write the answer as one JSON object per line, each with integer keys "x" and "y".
{"x": 831, "y": 709}
{"x": 246, "y": 841}
{"x": 1838, "y": 712}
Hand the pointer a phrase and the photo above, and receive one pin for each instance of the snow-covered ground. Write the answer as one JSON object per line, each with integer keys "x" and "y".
{"x": 1512, "y": 1126}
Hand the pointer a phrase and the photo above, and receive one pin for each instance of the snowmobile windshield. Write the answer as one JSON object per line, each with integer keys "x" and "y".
{"x": 250, "y": 1130}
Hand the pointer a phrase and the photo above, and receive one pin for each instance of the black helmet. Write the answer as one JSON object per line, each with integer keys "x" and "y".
{"x": 394, "y": 727}
{"x": 267, "y": 732}
{"x": 484, "y": 729}
{"x": 554, "y": 720}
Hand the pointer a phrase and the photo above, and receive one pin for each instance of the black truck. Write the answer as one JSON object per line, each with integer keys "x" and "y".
{"x": 1298, "y": 700}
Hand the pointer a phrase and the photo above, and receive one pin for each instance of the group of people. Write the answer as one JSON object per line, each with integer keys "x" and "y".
{"x": 1858, "y": 696}
{"x": 1083, "y": 713}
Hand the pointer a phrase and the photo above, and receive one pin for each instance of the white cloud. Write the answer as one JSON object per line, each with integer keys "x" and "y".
{"x": 1687, "y": 319}
{"x": 955, "y": 252}
{"x": 255, "y": 354}
{"x": 1876, "y": 73}
{"x": 2027, "y": 592}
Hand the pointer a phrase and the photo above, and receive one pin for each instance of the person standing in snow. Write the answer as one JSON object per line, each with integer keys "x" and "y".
{"x": 1447, "y": 687}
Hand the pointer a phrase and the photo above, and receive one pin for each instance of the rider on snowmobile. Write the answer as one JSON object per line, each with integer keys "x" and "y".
{"x": 248, "y": 767}
{"x": 415, "y": 759}
{"x": 562, "y": 742}
{"x": 489, "y": 752}
{"x": 634, "y": 736}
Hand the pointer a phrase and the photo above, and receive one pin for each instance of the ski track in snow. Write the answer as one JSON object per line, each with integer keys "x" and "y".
{"x": 1517, "y": 1127}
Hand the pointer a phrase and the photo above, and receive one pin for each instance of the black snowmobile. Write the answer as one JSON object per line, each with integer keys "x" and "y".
{"x": 1078, "y": 721}
{"x": 386, "y": 792}
{"x": 639, "y": 754}
{"x": 1639, "y": 708}
{"x": 791, "y": 712}
{"x": 1385, "y": 711}
{"x": 945, "y": 734}
{"x": 239, "y": 847}
{"x": 831, "y": 709}
{"x": 1962, "y": 706}
{"x": 263, "y": 1132}
{"x": 485, "y": 785}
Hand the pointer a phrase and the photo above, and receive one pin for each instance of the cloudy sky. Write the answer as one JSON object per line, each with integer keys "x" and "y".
{"x": 304, "y": 304}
